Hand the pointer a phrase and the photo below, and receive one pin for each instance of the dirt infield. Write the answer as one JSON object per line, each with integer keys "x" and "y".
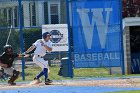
{"x": 132, "y": 82}
{"x": 25, "y": 85}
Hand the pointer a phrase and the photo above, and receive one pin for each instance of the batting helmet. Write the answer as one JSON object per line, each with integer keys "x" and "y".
{"x": 8, "y": 49}
{"x": 46, "y": 34}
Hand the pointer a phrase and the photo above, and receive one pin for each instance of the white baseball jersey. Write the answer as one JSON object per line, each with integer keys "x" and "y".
{"x": 40, "y": 49}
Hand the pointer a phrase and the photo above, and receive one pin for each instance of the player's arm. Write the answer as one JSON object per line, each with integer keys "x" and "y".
{"x": 47, "y": 47}
{"x": 30, "y": 49}
{"x": 3, "y": 65}
{"x": 25, "y": 55}
{"x": 21, "y": 55}
{"x": 18, "y": 55}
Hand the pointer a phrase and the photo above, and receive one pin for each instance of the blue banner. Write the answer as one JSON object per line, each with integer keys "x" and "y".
{"x": 96, "y": 26}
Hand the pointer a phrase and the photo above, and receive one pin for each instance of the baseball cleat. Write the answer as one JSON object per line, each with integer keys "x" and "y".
{"x": 48, "y": 82}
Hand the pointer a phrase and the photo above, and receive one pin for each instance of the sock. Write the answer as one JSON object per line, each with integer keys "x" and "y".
{"x": 46, "y": 73}
{"x": 40, "y": 74}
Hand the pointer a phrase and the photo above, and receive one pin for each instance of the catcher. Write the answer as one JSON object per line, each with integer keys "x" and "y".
{"x": 6, "y": 62}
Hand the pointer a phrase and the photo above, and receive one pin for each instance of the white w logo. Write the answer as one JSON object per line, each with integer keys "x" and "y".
{"x": 98, "y": 19}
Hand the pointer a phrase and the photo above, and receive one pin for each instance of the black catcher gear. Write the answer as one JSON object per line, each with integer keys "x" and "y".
{"x": 8, "y": 49}
{"x": 14, "y": 77}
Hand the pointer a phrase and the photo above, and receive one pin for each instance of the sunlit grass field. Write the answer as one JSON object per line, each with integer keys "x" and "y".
{"x": 33, "y": 70}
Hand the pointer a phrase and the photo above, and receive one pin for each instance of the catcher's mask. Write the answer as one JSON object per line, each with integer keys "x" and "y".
{"x": 8, "y": 49}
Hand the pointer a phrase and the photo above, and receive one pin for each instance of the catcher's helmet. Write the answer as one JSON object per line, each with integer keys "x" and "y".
{"x": 8, "y": 49}
{"x": 46, "y": 34}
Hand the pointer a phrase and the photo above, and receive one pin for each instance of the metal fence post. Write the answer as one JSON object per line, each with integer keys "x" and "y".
{"x": 122, "y": 49}
{"x": 21, "y": 37}
{"x": 70, "y": 68}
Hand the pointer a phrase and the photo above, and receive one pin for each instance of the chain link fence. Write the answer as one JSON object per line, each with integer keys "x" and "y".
{"x": 13, "y": 39}
{"x": 36, "y": 13}
{"x": 29, "y": 19}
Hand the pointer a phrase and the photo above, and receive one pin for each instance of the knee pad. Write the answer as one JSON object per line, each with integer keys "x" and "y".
{"x": 16, "y": 73}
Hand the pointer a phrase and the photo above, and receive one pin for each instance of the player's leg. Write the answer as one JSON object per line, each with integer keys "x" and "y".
{"x": 46, "y": 73}
{"x": 47, "y": 80}
{"x": 14, "y": 77}
{"x": 3, "y": 75}
{"x": 38, "y": 60}
{"x": 13, "y": 73}
{"x": 44, "y": 65}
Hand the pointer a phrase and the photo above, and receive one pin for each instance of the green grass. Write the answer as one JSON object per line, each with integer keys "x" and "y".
{"x": 32, "y": 71}
{"x": 90, "y": 72}
{"x": 135, "y": 91}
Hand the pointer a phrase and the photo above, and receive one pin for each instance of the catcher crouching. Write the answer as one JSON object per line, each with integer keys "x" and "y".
{"x": 6, "y": 62}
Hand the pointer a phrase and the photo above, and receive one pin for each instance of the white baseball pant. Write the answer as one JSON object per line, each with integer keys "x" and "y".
{"x": 40, "y": 61}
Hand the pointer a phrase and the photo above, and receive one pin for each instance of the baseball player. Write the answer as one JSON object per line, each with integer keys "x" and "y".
{"x": 41, "y": 46}
{"x": 6, "y": 62}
